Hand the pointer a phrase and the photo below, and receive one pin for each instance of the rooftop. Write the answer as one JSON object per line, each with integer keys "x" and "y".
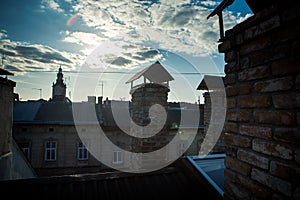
{"x": 180, "y": 180}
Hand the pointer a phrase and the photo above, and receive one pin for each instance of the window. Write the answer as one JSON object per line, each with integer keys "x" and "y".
{"x": 82, "y": 152}
{"x": 26, "y": 150}
{"x": 51, "y": 129}
{"x": 50, "y": 151}
{"x": 118, "y": 157}
{"x": 181, "y": 148}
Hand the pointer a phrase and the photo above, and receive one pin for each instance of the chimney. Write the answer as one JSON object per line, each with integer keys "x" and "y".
{"x": 100, "y": 100}
{"x": 92, "y": 99}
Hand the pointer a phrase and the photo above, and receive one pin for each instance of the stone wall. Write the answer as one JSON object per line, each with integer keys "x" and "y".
{"x": 263, "y": 117}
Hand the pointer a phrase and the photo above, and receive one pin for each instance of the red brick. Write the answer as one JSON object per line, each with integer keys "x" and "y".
{"x": 286, "y": 171}
{"x": 254, "y": 46}
{"x": 273, "y": 85}
{"x": 273, "y": 182}
{"x": 231, "y": 103}
{"x": 273, "y": 149}
{"x": 284, "y": 100}
{"x": 285, "y": 34}
{"x": 231, "y": 127}
{"x": 238, "y": 115}
{"x": 256, "y": 131}
{"x": 238, "y": 90}
{"x": 244, "y": 62}
{"x": 229, "y": 79}
{"x": 254, "y": 73}
{"x": 256, "y": 189}
{"x": 230, "y": 150}
{"x": 230, "y": 67}
{"x": 291, "y": 135}
{"x": 253, "y": 158}
{"x": 274, "y": 117}
{"x": 230, "y": 56}
{"x": 261, "y": 28}
{"x": 230, "y": 175}
{"x": 254, "y": 102}
{"x": 271, "y": 54}
{"x": 235, "y": 191}
{"x": 237, "y": 140}
{"x": 239, "y": 38}
{"x": 237, "y": 166}
{"x": 286, "y": 66}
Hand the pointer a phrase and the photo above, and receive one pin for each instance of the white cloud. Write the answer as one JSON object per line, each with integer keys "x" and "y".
{"x": 51, "y": 4}
{"x": 176, "y": 26}
{"x": 209, "y": 3}
{"x": 22, "y": 57}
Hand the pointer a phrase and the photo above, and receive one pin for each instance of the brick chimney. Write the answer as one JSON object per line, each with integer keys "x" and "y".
{"x": 148, "y": 112}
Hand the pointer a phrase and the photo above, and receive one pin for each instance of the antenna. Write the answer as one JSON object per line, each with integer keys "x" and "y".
{"x": 40, "y": 89}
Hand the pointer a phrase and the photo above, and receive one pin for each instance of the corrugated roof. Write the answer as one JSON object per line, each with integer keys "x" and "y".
{"x": 178, "y": 181}
{"x": 155, "y": 73}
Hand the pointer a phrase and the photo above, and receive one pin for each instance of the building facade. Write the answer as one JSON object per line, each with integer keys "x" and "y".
{"x": 56, "y": 144}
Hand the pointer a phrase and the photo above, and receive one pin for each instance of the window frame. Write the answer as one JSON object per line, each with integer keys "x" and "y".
{"x": 84, "y": 148}
{"x": 119, "y": 158}
{"x": 52, "y": 150}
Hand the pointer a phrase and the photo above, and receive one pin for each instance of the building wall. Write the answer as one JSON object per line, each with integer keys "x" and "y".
{"x": 6, "y": 108}
{"x": 67, "y": 145}
{"x": 263, "y": 117}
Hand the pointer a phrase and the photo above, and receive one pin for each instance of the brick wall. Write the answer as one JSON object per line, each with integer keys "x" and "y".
{"x": 219, "y": 146}
{"x": 263, "y": 95}
{"x": 143, "y": 98}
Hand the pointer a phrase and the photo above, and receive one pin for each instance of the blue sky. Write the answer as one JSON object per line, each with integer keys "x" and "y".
{"x": 36, "y": 37}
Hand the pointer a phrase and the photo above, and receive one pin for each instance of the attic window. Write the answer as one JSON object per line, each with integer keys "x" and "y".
{"x": 51, "y": 129}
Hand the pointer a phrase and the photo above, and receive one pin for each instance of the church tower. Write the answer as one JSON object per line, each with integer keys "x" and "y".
{"x": 59, "y": 88}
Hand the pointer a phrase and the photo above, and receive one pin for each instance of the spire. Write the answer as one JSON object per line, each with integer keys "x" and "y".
{"x": 59, "y": 88}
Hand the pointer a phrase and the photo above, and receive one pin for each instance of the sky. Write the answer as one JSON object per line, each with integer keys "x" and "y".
{"x": 102, "y": 44}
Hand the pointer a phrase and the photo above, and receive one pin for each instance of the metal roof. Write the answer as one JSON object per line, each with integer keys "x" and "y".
{"x": 210, "y": 82}
{"x": 155, "y": 73}
{"x": 5, "y": 72}
{"x": 25, "y": 110}
{"x": 177, "y": 181}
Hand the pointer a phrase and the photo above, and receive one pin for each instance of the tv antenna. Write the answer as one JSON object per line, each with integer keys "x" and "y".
{"x": 102, "y": 86}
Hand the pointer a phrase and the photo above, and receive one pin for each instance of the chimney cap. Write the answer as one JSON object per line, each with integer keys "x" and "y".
{"x": 155, "y": 73}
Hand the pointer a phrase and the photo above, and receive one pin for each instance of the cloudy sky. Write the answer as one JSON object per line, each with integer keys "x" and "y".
{"x": 107, "y": 42}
